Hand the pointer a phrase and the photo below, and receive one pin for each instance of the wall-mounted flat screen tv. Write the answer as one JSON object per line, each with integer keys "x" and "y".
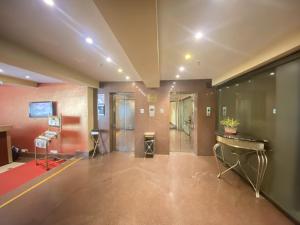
{"x": 41, "y": 109}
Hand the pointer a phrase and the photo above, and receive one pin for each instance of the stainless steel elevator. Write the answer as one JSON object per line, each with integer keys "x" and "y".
{"x": 123, "y": 117}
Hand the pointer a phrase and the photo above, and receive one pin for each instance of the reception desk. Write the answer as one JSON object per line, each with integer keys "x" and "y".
{"x": 5, "y": 145}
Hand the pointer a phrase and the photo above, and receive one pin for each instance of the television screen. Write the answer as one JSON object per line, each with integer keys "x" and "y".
{"x": 41, "y": 109}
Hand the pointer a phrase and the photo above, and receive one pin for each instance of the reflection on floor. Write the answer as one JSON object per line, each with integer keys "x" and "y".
{"x": 179, "y": 189}
{"x": 180, "y": 142}
{"x": 125, "y": 140}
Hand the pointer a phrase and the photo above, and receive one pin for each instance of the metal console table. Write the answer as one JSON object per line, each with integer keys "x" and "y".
{"x": 247, "y": 145}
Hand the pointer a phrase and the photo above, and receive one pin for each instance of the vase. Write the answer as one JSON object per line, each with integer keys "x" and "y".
{"x": 230, "y": 130}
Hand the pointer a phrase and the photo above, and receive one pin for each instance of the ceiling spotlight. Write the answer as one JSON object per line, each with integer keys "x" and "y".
{"x": 181, "y": 68}
{"x": 187, "y": 56}
{"x": 272, "y": 74}
{"x": 177, "y": 76}
{"x": 49, "y": 2}
{"x": 120, "y": 70}
{"x": 1, "y": 70}
{"x": 108, "y": 59}
{"x": 127, "y": 78}
{"x": 89, "y": 40}
{"x": 198, "y": 35}
{"x": 27, "y": 77}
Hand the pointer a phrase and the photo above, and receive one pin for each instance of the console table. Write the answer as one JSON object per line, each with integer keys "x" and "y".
{"x": 5, "y": 145}
{"x": 247, "y": 145}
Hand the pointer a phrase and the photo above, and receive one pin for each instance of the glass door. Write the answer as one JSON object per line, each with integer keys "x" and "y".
{"x": 182, "y": 122}
{"x": 123, "y": 122}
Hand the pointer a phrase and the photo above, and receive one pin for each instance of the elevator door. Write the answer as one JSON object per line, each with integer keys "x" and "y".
{"x": 182, "y": 122}
{"x": 123, "y": 122}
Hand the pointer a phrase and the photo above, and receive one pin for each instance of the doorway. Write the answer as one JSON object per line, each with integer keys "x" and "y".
{"x": 182, "y": 122}
{"x": 123, "y": 116}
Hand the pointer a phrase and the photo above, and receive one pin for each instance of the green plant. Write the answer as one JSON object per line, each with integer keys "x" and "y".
{"x": 230, "y": 122}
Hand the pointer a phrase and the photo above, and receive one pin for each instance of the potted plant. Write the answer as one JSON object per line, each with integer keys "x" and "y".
{"x": 230, "y": 125}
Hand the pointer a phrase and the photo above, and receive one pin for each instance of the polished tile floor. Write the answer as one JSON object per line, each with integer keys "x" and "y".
{"x": 118, "y": 189}
{"x": 180, "y": 141}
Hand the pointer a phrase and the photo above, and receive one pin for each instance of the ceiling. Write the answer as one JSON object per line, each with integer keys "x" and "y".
{"x": 134, "y": 23}
{"x": 20, "y": 73}
{"x": 149, "y": 39}
{"x": 59, "y": 33}
{"x": 233, "y": 32}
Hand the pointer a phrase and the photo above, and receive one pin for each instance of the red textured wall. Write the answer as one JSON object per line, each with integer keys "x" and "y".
{"x": 71, "y": 101}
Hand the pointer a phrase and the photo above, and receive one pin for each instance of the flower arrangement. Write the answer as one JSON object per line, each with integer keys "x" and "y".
{"x": 230, "y": 125}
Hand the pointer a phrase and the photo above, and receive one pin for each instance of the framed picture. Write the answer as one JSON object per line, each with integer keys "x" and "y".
{"x": 101, "y": 105}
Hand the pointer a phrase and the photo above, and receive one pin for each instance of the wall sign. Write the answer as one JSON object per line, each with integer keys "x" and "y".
{"x": 152, "y": 98}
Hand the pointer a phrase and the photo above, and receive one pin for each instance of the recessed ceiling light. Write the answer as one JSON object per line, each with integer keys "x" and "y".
{"x": 108, "y": 59}
{"x": 120, "y": 70}
{"x": 89, "y": 40}
{"x": 49, "y": 2}
{"x": 198, "y": 35}
{"x": 1, "y": 70}
{"x": 187, "y": 56}
{"x": 177, "y": 76}
{"x": 27, "y": 77}
{"x": 181, "y": 68}
{"x": 127, "y": 78}
{"x": 272, "y": 74}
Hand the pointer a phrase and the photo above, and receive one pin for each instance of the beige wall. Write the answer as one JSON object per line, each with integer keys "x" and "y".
{"x": 160, "y": 123}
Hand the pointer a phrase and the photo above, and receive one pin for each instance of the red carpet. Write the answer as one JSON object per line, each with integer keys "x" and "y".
{"x": 15, "y": 177}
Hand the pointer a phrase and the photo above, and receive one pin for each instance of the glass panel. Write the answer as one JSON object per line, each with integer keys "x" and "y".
{"x": 182, "y": 122}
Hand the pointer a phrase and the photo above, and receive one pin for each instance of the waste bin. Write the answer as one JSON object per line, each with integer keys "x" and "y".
{"x": 149, "y": 144}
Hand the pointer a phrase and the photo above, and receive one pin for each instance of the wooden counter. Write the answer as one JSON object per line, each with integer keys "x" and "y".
{"x": 5, "y": 145}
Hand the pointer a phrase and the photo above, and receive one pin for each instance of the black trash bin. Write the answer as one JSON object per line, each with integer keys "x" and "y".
{"x": 149, "y": 144}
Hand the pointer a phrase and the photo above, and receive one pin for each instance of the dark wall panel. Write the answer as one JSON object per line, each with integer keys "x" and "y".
{"x": 267, "y": 103}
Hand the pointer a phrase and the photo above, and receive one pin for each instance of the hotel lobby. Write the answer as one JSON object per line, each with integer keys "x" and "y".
{"x": 142, "y": 112}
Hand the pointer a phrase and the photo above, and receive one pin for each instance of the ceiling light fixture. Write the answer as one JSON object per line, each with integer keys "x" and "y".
{"x": 27, "y": 77}
{"x": 177, "y": 76}
{"x": 1, "y": 70}
{"x": 198, "y": 35}
{"x": 181, "y": 68}
{"x": 187, "y": 56}
{"x": 89, "y": 40}
{"x": 49, "y": 2}
{"x": 108, "y": 59}
{"x": 272, "y": 74}
{"x": 127, "y": 78}
{"x": 174, "y": 83}
{"x": 120, "y": 70}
